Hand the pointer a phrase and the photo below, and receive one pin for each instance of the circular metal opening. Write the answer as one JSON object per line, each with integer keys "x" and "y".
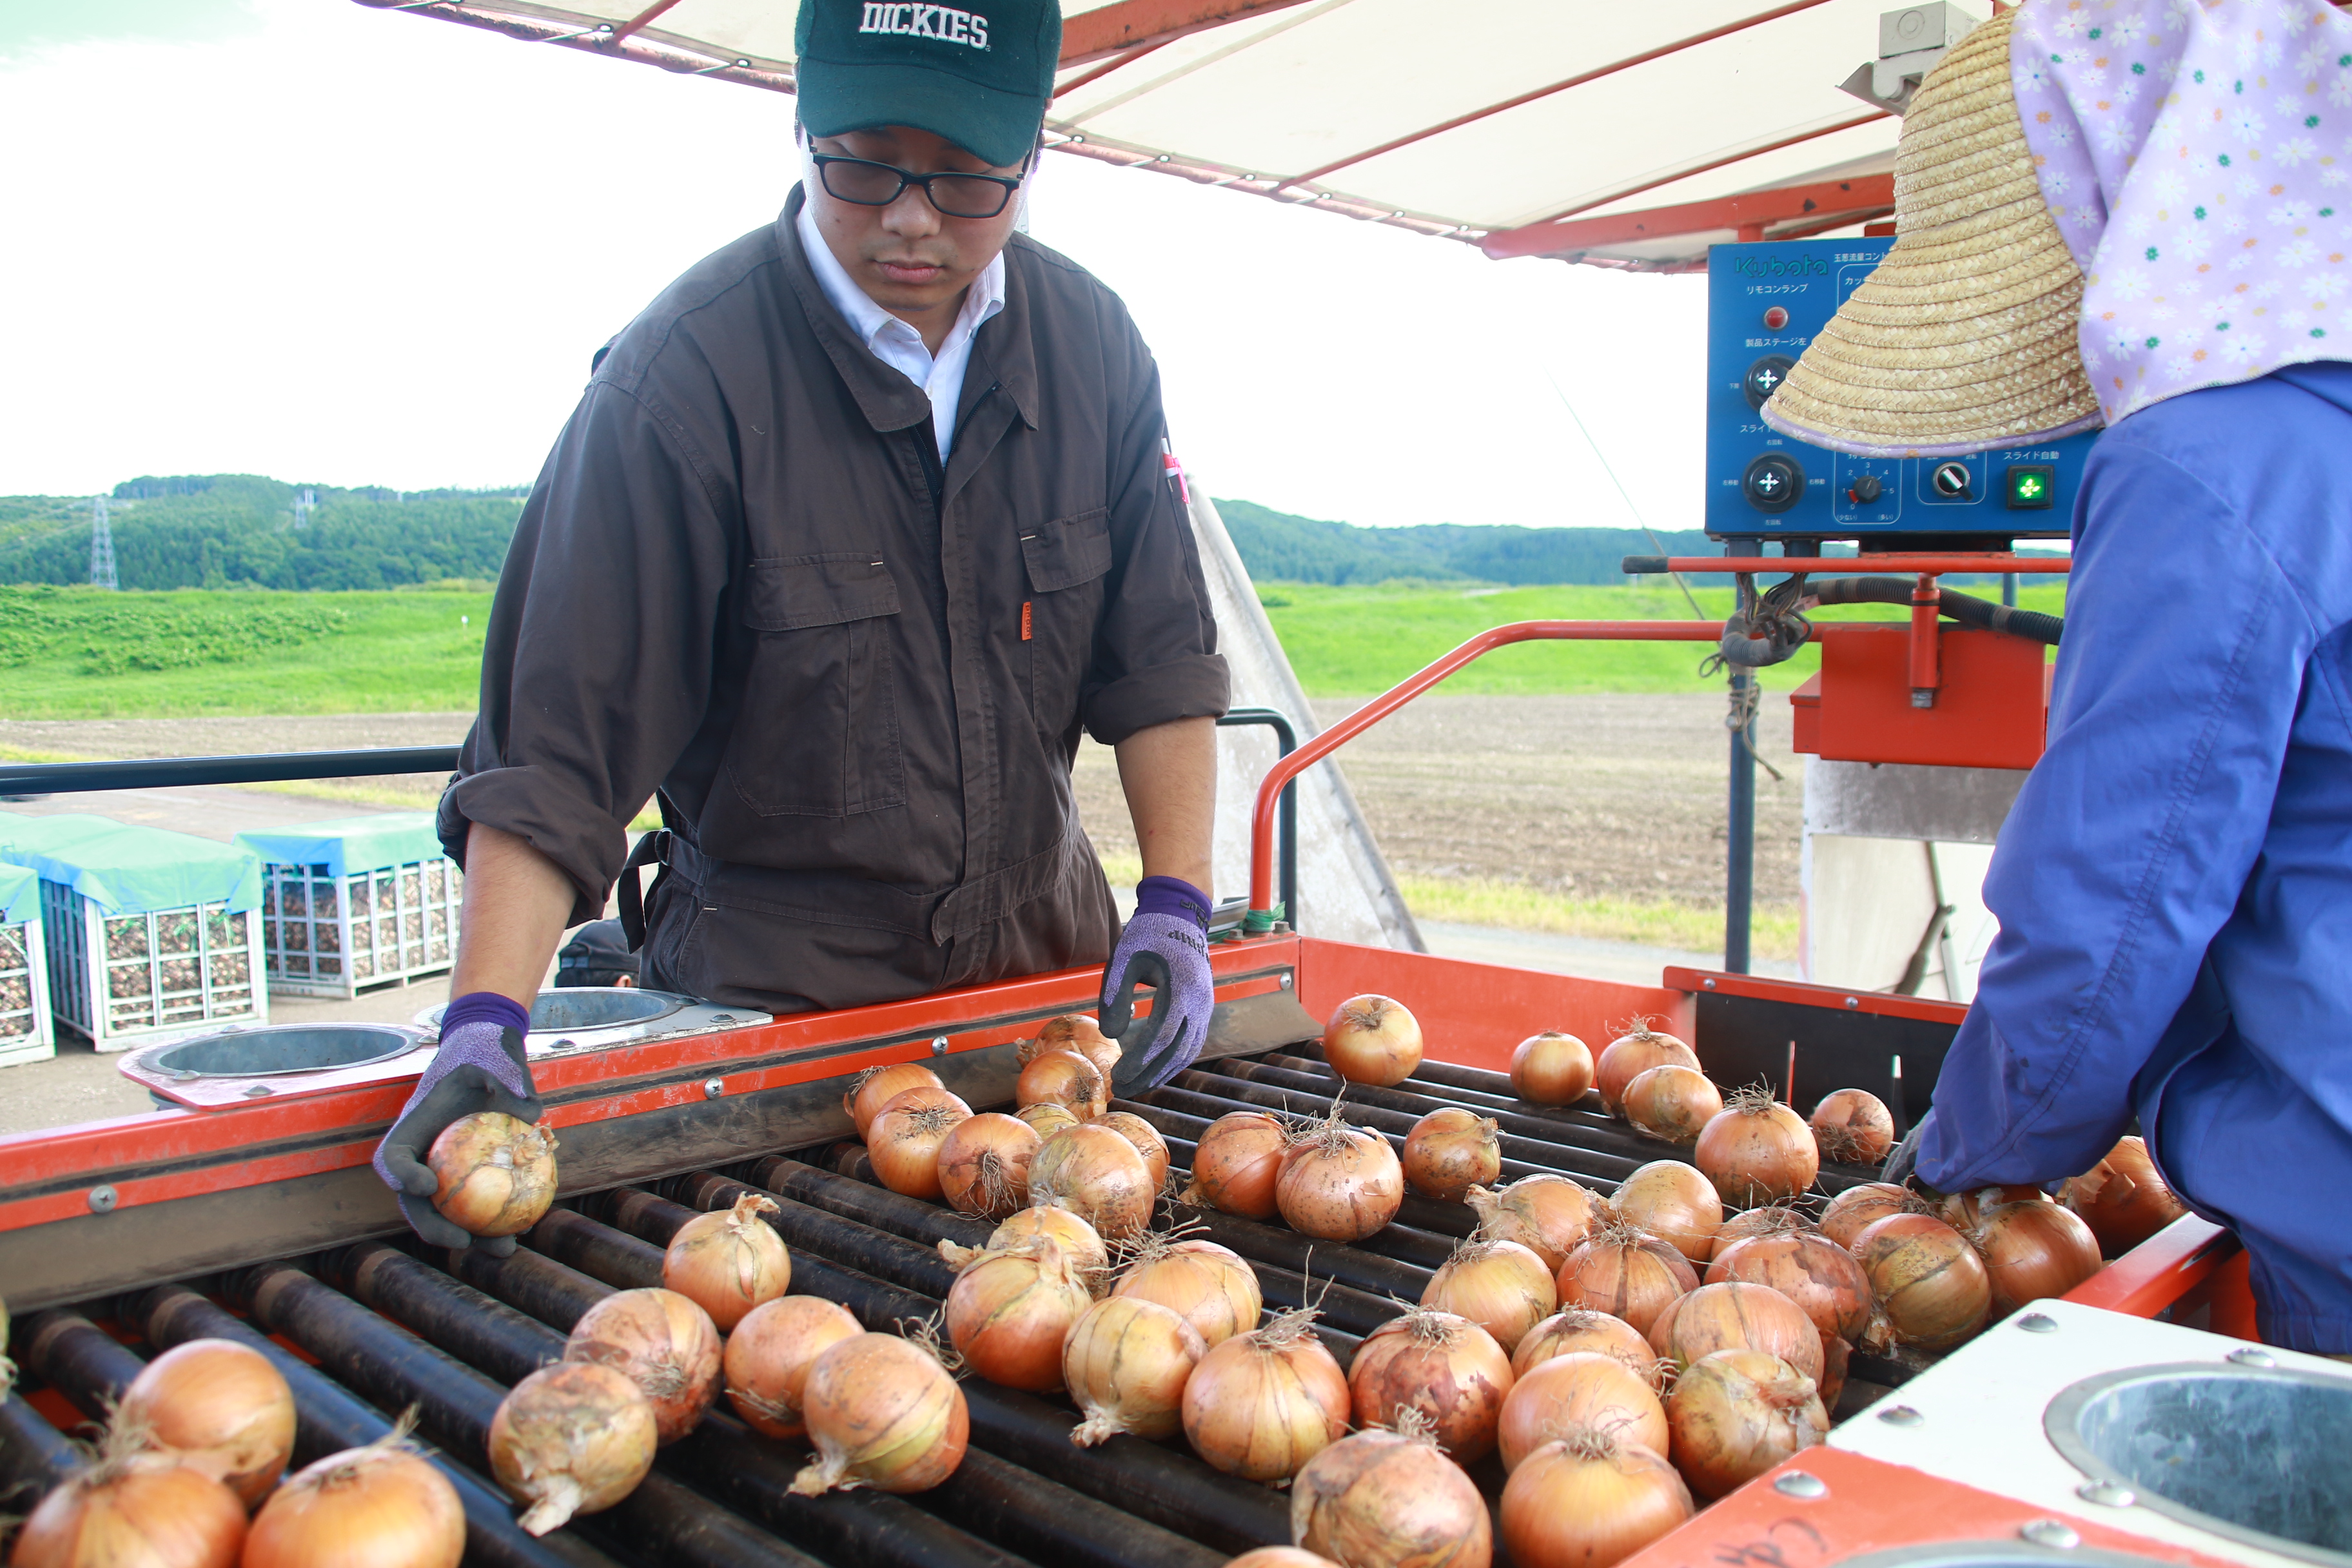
{"x": 578, "y": 1009}
{"x": 278, "y": 1048}
{"x": 2255, "y": 1454}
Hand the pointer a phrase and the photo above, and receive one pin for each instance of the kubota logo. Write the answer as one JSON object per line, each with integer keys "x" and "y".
{"x": 1781, "y": 267}
{"x": 942, "y": 22}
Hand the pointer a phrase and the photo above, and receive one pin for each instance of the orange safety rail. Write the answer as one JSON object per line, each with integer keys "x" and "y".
{"x": 1932, "y": 564}
{"x": 2189, "y": 1264}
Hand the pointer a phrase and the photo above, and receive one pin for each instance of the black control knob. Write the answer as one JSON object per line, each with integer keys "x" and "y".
{"x": 1951, "y": 482}
{"x": 1773, "y": 483}
{"x": 1764, "y": 378}
{"x": 1863, "y": 491}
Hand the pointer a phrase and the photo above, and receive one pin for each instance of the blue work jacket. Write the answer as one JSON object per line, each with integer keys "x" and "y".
{"x": 2174, "y": 885}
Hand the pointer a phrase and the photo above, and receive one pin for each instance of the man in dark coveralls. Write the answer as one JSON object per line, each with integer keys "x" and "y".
{"x": 853, "y": 529}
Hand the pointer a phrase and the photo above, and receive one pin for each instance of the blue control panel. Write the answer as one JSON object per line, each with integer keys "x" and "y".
{"x": 1764, "y": 302}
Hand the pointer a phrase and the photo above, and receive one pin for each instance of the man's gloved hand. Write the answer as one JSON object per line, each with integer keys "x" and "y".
{"x": 480, "y": 1066}
{"x": 1166, "y": 947}
{"x": 1901, "y": 1161}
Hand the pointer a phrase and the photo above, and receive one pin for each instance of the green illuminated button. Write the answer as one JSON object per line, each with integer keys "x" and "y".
{"x": 2031, "y": 486}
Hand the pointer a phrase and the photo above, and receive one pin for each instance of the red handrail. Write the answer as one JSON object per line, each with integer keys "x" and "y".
{"x": 1934, "y": 564}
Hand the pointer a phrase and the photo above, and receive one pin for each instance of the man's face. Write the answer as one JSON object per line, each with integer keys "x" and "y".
{"x": 910, "y": 258}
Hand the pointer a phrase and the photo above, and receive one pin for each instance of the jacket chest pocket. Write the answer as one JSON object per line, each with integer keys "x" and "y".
{"x": 1066, "y": 560}
{"x": 818, "y": 730}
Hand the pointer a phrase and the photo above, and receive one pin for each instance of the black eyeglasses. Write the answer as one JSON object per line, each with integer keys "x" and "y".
{"x": 870, "y": 185}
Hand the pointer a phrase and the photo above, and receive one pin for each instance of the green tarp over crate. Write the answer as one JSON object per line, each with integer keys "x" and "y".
{"x": 20, "y": 894}
{"x": 121, "y": 869}
{"x": 352, "y": 843}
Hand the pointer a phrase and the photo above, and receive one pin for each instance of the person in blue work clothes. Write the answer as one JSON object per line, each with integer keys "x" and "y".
{"x": 2119, "y": 213}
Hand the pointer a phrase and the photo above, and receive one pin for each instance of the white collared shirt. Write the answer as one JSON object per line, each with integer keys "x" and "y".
{"x": 898, "y": 345}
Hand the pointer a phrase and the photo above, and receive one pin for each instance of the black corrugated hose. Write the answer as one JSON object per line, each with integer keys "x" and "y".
{"x": 1768, "y": 628}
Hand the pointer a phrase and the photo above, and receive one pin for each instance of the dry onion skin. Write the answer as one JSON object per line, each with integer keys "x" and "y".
{"x": 1758, "y": 1151}
{"x": 1671, "y": 1103}
{"x": 1064, "y": 1077}
{"x": 218, "y": 1407}
{"x": 1046, "y": 1117}
{"x": 874, "y": 1088}
{"x": 1280, "y": 1557}
{"x": 1772, "y": 1219}
{"x": 1449, "y": 1152}
{"x": 1737, "y": 1413}
{"x": 1583, "y": 1328}
{"x": 661, "y": 1342}
{"x": 729, "y": 1262}
{"x": 381, "y": 1506}
{"x": 1264, "y": 1402}
{"x": 983, "y": 1164}
{"x": 1008, "y": 1313}
{"x": 1079, "y": 1032}
{"x": 2123, "y": 1198}
{"x": 1961, "y": 1210}
{"x": 1733, "y": 1315}
{"x": 1928, "y": 1279}
{"x": 1235, "y": 1162}
{"x": 767, "y": 1356}
{"x": 1626, "y": 1273}
{"x": 1853, "y": 1127}
{"x": 1126, "y": 1363}
{"x": 1631, "y": 1054}
{"x": 144, "y": 1510}
{"x": 1338, "y": 1183}
{"x": 1078, "y": 1240}
{"x": 1579, "y": 1389}
{"x": 1590, "y": 1499}
{"x": 1856, "y": 1209}
{"x": 1210, "y": 1287}
{"x": 1146, "y": 1139}
{"x": 575, "y": 1438}
{"x": 1390, "y": 1496}
{"x": 1500, "y": 1285}
{"x": 1372, "y": 1040}
{"x": 497, "y": 1172}
{"x": 903, "y": 1141}
{"x": 1441, "y": 1366}
{"x": 1551, "y": 1068}
{"x": 882, "y": 1413}
{"x": 1821, "y": 1278}
{"x": 1673, "y": 1201}
{"x": 1098, "y": 1176}
{"x": 1548, "y": 1215}
{"x": 2033, "y": 1252}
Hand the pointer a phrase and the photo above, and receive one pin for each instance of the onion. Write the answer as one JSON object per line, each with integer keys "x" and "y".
{"x": 1372, "y": 1040}
{"x": 1235, "y": 1162}
{"x": 1147, "y": 1141}
{"x": 1126, "y": 1363}
{"x": 1008, "y": 1312}
{"x": 874, "y": 1088}
{"x": 1338, "y": 1183}
{"x": 882, "y": 1413}
{"x": 1209, "y": 1285}
{"x": 574, "y": 1437}
{"x": 1098, "y": 1176}
{"x": 1670, "y": 1104}
{"x": 1046, "y": 1117}
{"x": 218, "y": 1407}
{"x": 1450, "y": 1150}
{"x": 1820, "y": 1277}
{"x": 1673, "y": 1202}
{"x": 1265, "y": 1403}
{"x": 1626, "y": 1273}
{"x": 1630, "y": 1055}
{"x": 1758, "y": 1151}
{"x": 730, "y": 1262}
{"x": 1733, "y": 1315}
{"x": 1075, "y": 1032}
{"x": 1551, "y": 1068}
{"x": 1737, "y": 1413}
{"x": 983, "y": 1164}
{"x": 1929, "y": 1281}
{"x": 1078, "y": 1239}
{"x": 1550, "y": 1215}
{"x": 1280, "y": 1557}
{"x": 662, "y": 1343}
{"x": 1836, "y": 1354}
{"x": 1064, "y": 1077}
{"x": 1855, "y": 1209}
{"x": 1500, "y": 1285}
{"x": 497, "y": 1172}
{"x": 382, "y": 1506}
{"x": 1579, "y": 1389}
{"x": 1390, "y": 1496}
{"x": 2123, "y": 1198}
{"x": 1961, "y": 1210}
{"x": 1440, "y": 1365}
{"x": 2033, "y": 1251}
{"x": 767, "y": 1359}
{"x": 1590, "y": 1500}
{"x": 1770, "y": 1220}
{"x": 1583, "y": 1328}
{"x": 903, "y": 1143}
{"x": 1853, "y": 1127}
{"x": 134, "y": 1510}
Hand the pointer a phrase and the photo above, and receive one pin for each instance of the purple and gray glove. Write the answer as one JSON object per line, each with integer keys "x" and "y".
{"x": 1166, "y": 947}
{"x": 480, "y": 1066}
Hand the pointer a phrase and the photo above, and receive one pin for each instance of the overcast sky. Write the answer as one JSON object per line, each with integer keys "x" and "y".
{"x": 308, "y": 239}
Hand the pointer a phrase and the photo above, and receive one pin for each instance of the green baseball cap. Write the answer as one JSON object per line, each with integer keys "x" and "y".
{"x": 979, "y": 78}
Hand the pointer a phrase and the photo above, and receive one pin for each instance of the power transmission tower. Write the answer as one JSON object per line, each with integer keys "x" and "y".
{"x": 101, "y": 546}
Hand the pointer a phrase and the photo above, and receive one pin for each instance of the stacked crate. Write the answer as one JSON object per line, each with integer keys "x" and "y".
{"x": 25, "y": 1032}
{"x": 354, "y": 903}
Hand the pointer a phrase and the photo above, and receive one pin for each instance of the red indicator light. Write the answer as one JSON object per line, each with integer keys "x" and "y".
{"x": 1776, "y": 317}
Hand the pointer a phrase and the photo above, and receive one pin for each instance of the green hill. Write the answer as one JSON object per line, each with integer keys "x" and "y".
{"x": 1279, "y": 547}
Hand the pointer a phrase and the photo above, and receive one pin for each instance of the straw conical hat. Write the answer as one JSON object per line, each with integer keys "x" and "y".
{"x": 1965, "y": 337}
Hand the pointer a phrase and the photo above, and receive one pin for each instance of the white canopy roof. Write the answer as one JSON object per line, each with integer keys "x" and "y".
{"x": 1485, "y": 121}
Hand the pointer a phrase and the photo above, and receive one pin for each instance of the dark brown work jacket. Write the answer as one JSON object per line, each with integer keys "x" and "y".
{"x": 855, "y": 676}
